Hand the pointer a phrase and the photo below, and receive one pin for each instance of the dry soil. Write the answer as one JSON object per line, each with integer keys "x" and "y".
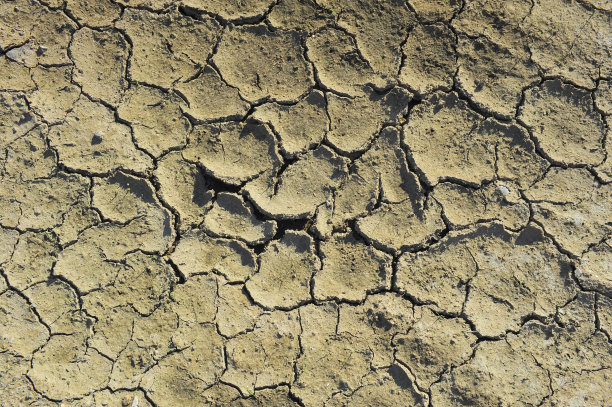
{"x": 305, "y": 203}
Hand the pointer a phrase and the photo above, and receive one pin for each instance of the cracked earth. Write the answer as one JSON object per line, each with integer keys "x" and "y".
{"x": 305, "y": 203}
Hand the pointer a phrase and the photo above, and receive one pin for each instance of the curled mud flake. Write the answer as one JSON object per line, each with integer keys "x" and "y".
{"x": 429, "y": 59}
{"x": 234, "y": 10}
{"x": 303, "y": 15}
{"x": 231, "y": 217}
{"x": 391, "y": 386}
{"x": 32, "y": 259}
{"x": 167, "y": 48}
{"x": 439, "y": 275}
{"x": 195, "y": 301}
{"x": 339, "y": 64}
{"x": 595, "y": 269}
{"x": 142, "y": 283}
{"x": 501, "y": 201}
{"x": 15, "y": 118}
{"x": 197, "y": 253}
{"x": 182, "y": 377}
{"x": 573, "y": 207}
{"x": 300, "y": 127}
{"x": 73, "y": 141}
{"x": 94, "y": 13}
{"x": 183, "y": 187}
{"x": 518, "y": 276}
{"x": 565, "y": 123}
{"x": 434, "y": 345}
{"x": 378, "y": 39}
{"x": 351, "y": 270}
{"x": 57, "y": 306}
{"x": 297, "y": 191}
{"x": 100, "y": 59}
{"x": 211, "y": 99}
{"x": 429, "y": 11}
{"x": 233, "y": 152}
{"x": 271, "y": 66}
{"x": 496, "y": 375}
{"x": 492, "y": 76}
{"x": 14, "y": 383}
{"x": 68, "y": 368}
{"x": 236, "y": 313}
{"x": 46, "y": 32}
{"x": 603, "y": 96}
{"x": 14, "y": 76}
{"x": 356, "y": 121}
{"x": 55, "y": 94}
{"x": 265, "y": 356}
{"x": 377, "y": 321}
{"x": 401, "y": 226}
{"x": 22, "y": 333}
{"x": 446, "y": 141}
{"x": 285, "y": 270}
{"x": 571, "y": 40}
{"x": 155, "y": 117}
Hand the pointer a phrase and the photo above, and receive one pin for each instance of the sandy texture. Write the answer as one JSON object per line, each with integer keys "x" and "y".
{"x": 315, "y": 203}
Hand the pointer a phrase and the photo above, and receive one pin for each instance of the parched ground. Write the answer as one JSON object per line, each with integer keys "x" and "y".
{"x": 305, "y": 203}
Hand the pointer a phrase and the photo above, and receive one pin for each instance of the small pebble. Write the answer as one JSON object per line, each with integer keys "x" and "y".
{"x": 97, "y": 138}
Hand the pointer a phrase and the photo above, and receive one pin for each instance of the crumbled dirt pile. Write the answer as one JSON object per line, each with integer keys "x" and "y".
{"x": 305, "y": 203}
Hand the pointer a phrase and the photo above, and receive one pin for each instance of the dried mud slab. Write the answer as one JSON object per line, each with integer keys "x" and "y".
{"x": 55, "y": 94}
{"x": 38, "y": 27}
{"x": 167, "y": 48}
{"x": 22, "y": 332}
{"x": 272, "y": 65}
{"x": 595, "y": 269}
{"x": 179, "y": 179}
{"x": 573, "y": 207}
{"x": 433, "y": 345}
{"x": 494, "y": 376}
{"x": 14, "y": 76}
{"x": 338, "y": 63}
{"x": 211, "y": 99}
{"x": 296, "y": 192}
{"x": 568, "y": 39}
{"x": 492, "y": 76}
{"x": 100, "y": 60}
{"x": 563, "y": 120}
{"x": 350, "y": 270}
{"x": 231, "y": 217}
{"x": 429, "y": 60}
{"x": 465, "y": 206}
{"x": 285, "y": 271}
{"x": 93, "y": 13}
{"x": 265, "y": 356}
{"x": 301, "y": 126}
{"x": 15, "y": 118}
{"x": 378, "y": 39}
{"x": 494, "y": 290}
{"x": 197, "y": 253}
{"x": 437, "y": 10}
{"x": 155, "y": 118}
{"x": 234, "y": 10}
{"x": 91, "y": 140}
{"x": 303, "y": 15}
{"x": 401, "y": 226}
{"x": 354, "y": 122}
{"x": 233, "y": 152}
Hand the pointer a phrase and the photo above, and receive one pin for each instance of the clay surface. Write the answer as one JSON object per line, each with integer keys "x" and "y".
{"x": 305, "y": 203}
